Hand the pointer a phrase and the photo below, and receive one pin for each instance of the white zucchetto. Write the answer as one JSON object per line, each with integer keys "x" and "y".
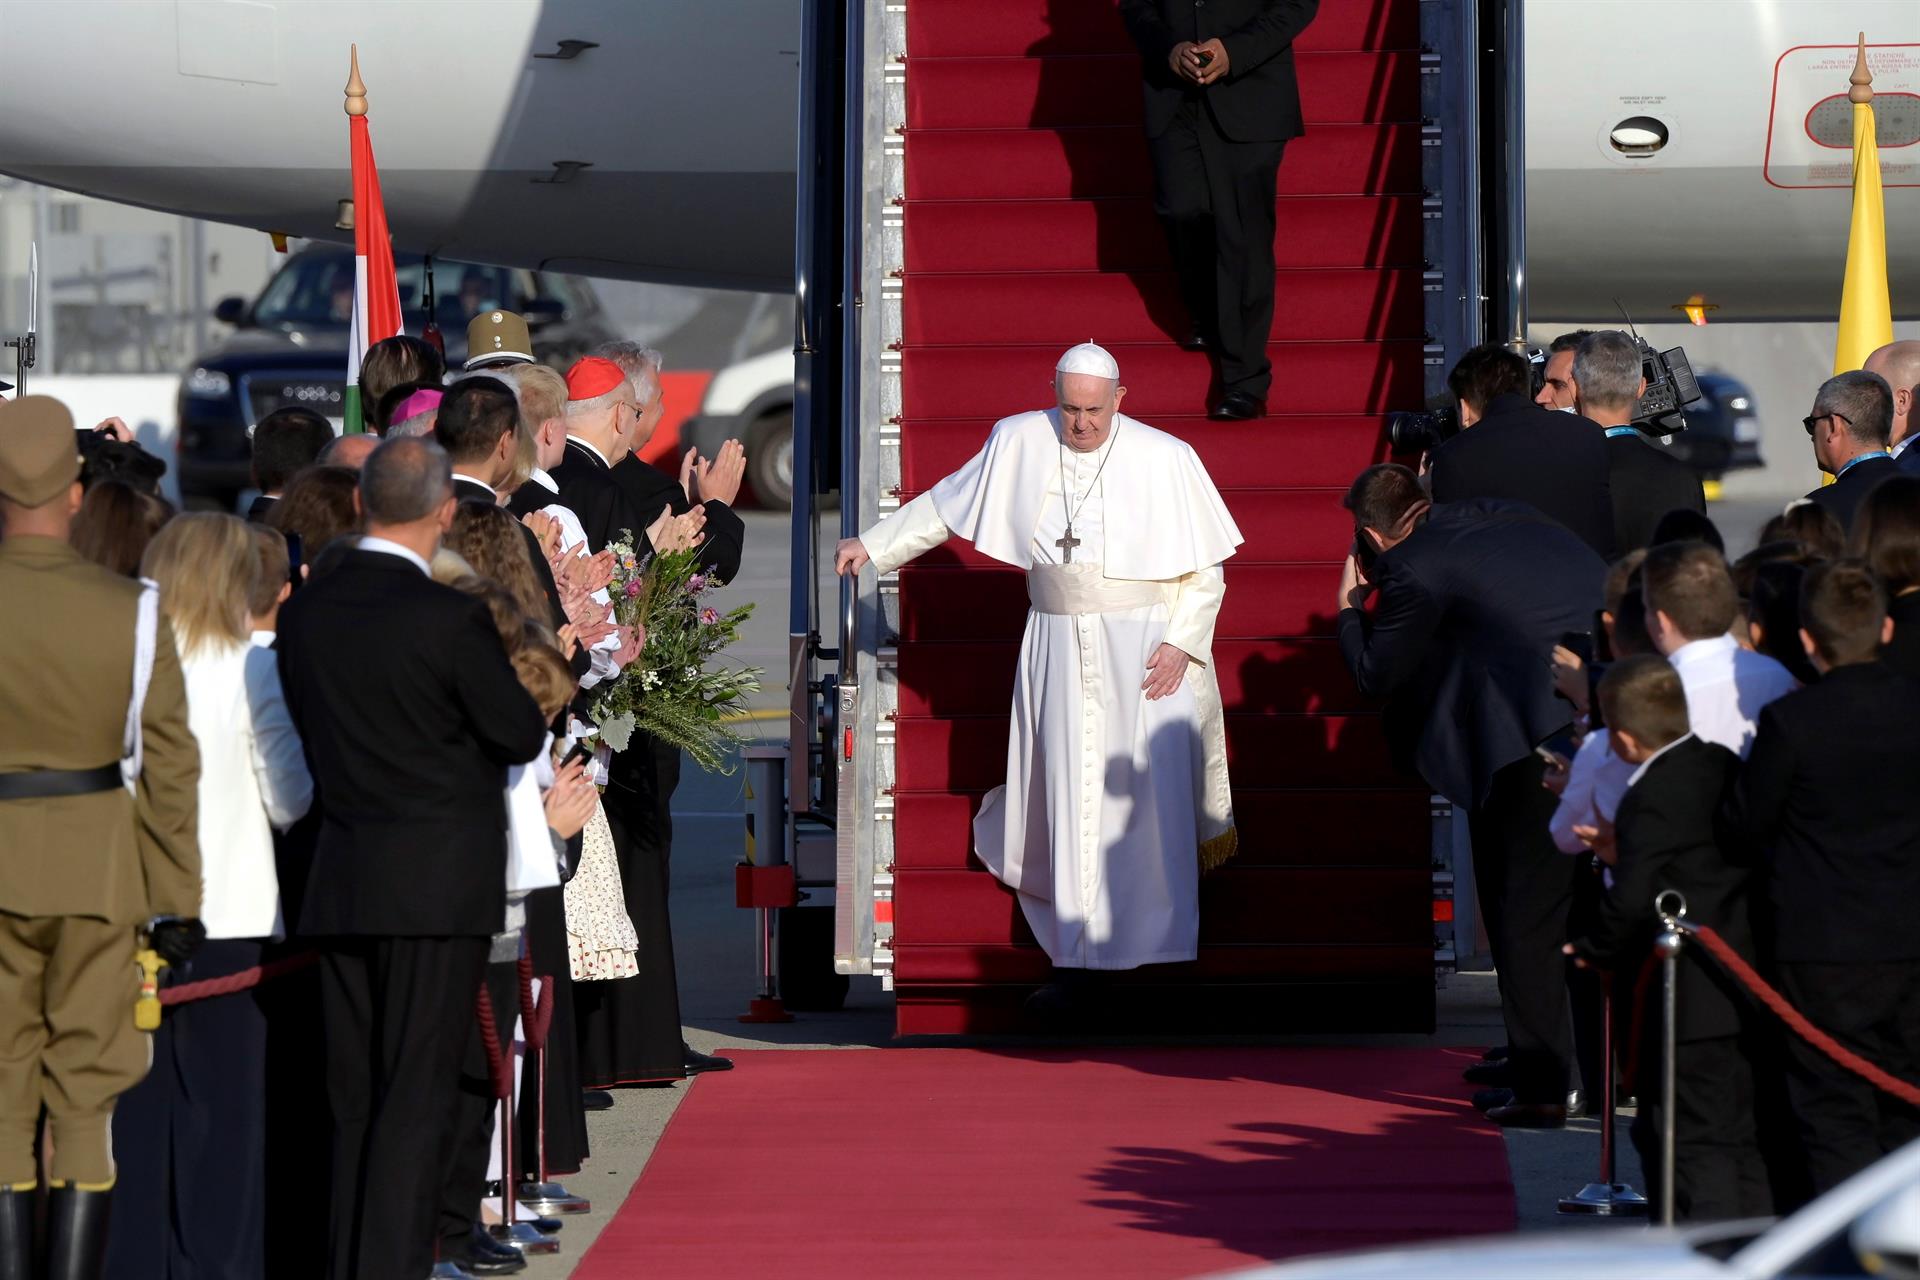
{"x": 1089, "y": 359}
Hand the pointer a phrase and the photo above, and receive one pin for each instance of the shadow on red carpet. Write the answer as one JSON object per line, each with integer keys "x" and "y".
{"x": 1113, "y": 1162}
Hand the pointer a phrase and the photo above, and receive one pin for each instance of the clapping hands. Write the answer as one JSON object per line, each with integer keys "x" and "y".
{"x": 715, "y": 480}
{"x": 677, "y": 533}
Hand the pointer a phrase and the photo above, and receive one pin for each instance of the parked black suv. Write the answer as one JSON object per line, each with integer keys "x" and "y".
{"x": 290, "y": 347}
{"x": 1723, "y": 429}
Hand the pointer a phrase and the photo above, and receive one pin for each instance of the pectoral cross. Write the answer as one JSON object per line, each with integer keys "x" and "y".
{"x": 1066, "y": 545}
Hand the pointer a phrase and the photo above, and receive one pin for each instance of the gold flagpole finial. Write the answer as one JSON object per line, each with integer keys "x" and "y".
{"x": 357, "y": 89}
{"x": 1861, "y": 79}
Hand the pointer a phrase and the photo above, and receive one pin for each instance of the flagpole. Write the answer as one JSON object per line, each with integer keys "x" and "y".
{"x": 356, "y": 88}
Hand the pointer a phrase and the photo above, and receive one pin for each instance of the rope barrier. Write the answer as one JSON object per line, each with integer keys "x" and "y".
{"x": 184, "y": 992}
{"x": 537, "y": 1016}
{"x": 497, "y": 1066}
{"x": 1736, "y": 965}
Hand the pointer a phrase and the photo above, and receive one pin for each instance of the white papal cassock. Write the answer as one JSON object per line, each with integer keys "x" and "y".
{"x": 1113, "y": 804}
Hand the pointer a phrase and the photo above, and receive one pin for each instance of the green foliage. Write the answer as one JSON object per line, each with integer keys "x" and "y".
{"x": 679, "y": 689}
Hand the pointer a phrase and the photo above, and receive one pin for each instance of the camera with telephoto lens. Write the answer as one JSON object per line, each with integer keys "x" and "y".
{"x": 1417, "y": 431}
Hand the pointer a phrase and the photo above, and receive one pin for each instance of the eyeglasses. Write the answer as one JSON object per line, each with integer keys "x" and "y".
{"x": 1819, "y": 417}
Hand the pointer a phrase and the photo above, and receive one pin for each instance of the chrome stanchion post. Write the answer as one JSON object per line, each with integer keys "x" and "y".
{"x": 1607, "y": 1197}
{"x": 1672, "y": 907}
{"x": 547, "y": 1197}
{"x": 523, "y": 1236}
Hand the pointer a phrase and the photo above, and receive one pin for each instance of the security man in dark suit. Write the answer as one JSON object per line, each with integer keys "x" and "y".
{"x": 411, "y": 715}
{"x": 1851, "y": 419}
{"x": 1472, "y": 598}
{"x": 1646, "y": 482}
{"x": 1828, "y": 803}
{"x": 1664, "y": 838}
{"x": 1222, "y": 100}
{"x": 1512, "y": 448}
{"x": 91, "y": 697}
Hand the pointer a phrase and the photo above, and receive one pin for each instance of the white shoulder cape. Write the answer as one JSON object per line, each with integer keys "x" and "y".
{"x": 1164, "y": 517}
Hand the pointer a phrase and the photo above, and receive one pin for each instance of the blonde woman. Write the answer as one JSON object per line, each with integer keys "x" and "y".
{"x": 190, "y": 1137}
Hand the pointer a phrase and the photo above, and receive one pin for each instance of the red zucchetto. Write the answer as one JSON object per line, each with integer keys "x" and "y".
{"x": 591, "y": 377}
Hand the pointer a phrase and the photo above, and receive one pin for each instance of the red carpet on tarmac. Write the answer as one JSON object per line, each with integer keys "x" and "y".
{"x": 1101, "y": 1162}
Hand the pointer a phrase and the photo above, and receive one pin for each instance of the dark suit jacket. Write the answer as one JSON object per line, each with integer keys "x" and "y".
{"x": 1647, "y": 482}
{"x": 1556, "y": 463}
{"x": 258, "y": 509}
{"x": 1468, "y": 610}
{"x": 1844, "y": 496}
{"x": 1666, "y": 831}
{"x": 588, "y": 488}
{"x": 1903, "y": 654}
{"x": 410, "y": 713}
{"x": 1909, "y": 460}
{"x": 648, "y": 489}
{"x": 1259, "y": 98}
{"x": 474, "y": 491}
{"x": 1828, "y": 804}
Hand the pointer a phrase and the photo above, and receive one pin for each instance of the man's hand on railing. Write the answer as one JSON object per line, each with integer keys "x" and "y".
{"x": 850, "y": 557}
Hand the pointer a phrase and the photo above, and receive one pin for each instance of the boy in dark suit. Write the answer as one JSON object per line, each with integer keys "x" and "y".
{"x": 1828, "y": 804}
{"x": 1663, "y": 838}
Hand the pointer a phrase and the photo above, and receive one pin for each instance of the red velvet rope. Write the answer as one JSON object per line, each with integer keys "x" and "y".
{"x": 1736, "y": 965}
{"x": 241, "y": 981}
{"x": 536, "y": 1016}
{"x": 497, "y": 1066}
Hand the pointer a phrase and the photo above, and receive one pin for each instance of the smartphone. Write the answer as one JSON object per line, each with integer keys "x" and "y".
{"x": 1205, "y": 57}
{"x": 293, "y": 561}
{"x": 1580, "y": 644}
{"x": 1596, "y": 721}
{"x": 1560, "y": 744}
{"x": 1602, "y": 651}
{"x": 581, "y": 750}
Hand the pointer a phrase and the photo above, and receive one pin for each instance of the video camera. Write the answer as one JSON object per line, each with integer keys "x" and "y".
{"x": 1671, "y": 387}
{"x": 1417, "y": 431}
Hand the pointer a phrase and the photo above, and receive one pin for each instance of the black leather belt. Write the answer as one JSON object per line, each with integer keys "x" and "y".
{"x": 45, "y": 784}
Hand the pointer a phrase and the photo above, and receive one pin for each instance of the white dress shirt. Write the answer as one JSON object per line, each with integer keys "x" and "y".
{"x": 263, "y": 639}
{"x": 1726, "y": 688}
{"x": 253, "y": 778}
{"x": 386, "y": 548}
{"x": 1595, "y": 783}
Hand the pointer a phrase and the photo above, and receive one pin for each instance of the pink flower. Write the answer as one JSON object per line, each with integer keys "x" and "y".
{"x": 633, "y": 589}
{"x": 710, "y": 616}
{"x": 698, "y": 582}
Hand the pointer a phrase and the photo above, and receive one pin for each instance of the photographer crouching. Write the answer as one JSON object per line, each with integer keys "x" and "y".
{"x": 1469, "y": 599}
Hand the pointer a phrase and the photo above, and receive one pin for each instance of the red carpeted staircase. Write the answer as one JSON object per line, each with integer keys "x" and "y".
{"x": 1029, "y": 227}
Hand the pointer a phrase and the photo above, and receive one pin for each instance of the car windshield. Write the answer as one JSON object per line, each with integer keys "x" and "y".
{"x": 315, "y": 291}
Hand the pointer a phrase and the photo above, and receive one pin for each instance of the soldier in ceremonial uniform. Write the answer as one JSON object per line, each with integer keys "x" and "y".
{"x": 98, "y": 772}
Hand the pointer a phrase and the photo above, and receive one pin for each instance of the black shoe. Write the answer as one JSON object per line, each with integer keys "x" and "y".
{"x": 76, "y": 1233}
{"x": 1196, "y": 340}
{"x": 596, "y": 1100}
{"x": 1529, "y": 1115}
{"x": 1488, "y": 1099}
{"x": 1493, "y": 1072}
{"x": 1238, "y": 406}
{"x": 701, "y": 1063}
{"x": 479, "y": 1254}
{"x": 1499, "y": 1053}
{"x": 445, "y": 1270}
{"x": 1576, "y": 1104}
{"x": 16, "y": 1234}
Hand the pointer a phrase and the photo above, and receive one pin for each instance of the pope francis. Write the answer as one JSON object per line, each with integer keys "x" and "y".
{"x": 1116, "y": 795}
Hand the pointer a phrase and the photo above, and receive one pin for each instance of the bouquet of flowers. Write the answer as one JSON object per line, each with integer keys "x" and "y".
{"x": 676, "y": 689}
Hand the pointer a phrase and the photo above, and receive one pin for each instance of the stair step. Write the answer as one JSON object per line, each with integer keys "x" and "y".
{"x": 975, "y": 677}
{"x": 962, "y": 962}
{"x": 1309, "y": 378}
{"x": 1165, "y": 1001}
{"x": 1311, "y": 452}
{"x": 1055, "y": 308}
{"x": 1057, "y": 91}
{"x": 989, "y": 601}
{"x": 1123, "y": 234}
{"x": 934, "y": 832}
{"x": 1001, "y": 164}
{"x": 1009, "y": 28}
{"x": 969, "y": 753}
{"x": 1363, "y": 906}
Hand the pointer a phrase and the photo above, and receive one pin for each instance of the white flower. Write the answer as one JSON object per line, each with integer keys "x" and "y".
{"x": 692, "y": 673}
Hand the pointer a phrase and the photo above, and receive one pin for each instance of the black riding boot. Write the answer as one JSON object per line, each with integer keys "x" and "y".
{"x": 16, "y": 1233}
{"x": 76, "y": 1233}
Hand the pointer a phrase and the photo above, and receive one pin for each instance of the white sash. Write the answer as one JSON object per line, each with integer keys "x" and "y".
{"x": 1083, "y": 588}
{"x": 146, "y": 639}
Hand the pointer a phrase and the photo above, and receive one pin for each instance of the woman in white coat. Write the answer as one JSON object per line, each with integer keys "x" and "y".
{"x": 190, "y": 1138}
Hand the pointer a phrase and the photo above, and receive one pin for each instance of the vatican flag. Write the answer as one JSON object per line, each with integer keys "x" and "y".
{"x": 1866, "y": 310}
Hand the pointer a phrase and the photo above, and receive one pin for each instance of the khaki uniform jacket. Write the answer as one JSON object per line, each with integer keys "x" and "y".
{"x": 66, "y": 676}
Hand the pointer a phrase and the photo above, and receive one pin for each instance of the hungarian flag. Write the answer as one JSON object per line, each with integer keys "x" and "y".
{"x": 376, "y": 296}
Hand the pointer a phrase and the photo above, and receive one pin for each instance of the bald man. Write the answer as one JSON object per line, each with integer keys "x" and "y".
{"x": 349, "y": 451}
{"x": 1899, "y": 364}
